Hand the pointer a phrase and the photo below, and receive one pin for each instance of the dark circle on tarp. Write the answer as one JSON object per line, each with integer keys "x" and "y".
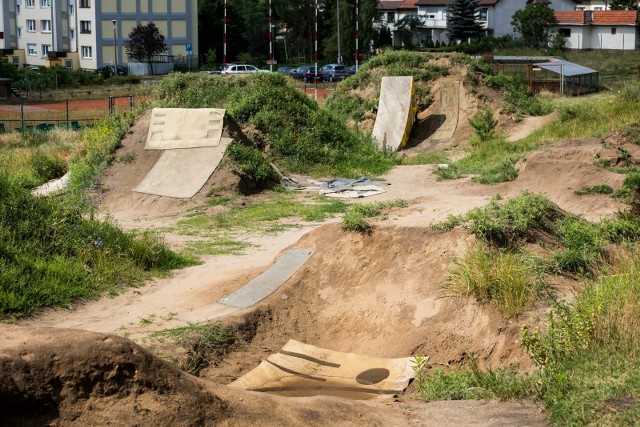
{"x": 372, "y": 376}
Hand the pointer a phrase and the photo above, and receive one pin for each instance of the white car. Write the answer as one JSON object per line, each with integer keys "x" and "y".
{"x": 242, "y": 69}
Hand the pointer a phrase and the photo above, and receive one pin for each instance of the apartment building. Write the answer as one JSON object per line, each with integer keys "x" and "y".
{"x": 90, "y": 34}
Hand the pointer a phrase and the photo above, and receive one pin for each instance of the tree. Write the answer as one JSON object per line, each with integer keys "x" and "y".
{"x": 145, "y": 41}
{"x": 407, "y": 27}
{"x": 624, "y": 4}
{"x": 383, "y": 38}
{"x": 534, "y": 23}
{"x": 462, "y": 20}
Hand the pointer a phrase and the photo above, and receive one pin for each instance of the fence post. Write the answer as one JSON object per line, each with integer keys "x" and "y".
{"x": 22, "y": 115}
{"x": 110, "y": 105}
{"x": 67, "y": 113}
{"x": 131, "y": 102}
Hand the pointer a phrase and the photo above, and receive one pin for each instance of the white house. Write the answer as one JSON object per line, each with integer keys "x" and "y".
{"x": 390, "y": 13}
{"x": 607, "y": 29}
{"x": 494, "y": 15}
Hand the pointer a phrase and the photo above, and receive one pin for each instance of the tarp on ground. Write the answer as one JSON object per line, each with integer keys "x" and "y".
{"x": 397, "y": 110}
{"x": 300, "y": 369}
{"x": 176, "y": 128}
{"x": 341, "y": 188}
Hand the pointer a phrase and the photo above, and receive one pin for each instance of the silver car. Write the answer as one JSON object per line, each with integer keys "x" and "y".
{"x": 242, "y": 69}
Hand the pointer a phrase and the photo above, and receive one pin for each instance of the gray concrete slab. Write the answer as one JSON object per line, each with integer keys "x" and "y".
{"x": 175, "y": 128}
{"x": 396, "y": 112}
{"x": 182, "y": 173}
{"x": 52, "y": 186}
{"x": 270, "y": 280}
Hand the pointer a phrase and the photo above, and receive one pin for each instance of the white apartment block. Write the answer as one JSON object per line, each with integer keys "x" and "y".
{"x": 88, "y": 34}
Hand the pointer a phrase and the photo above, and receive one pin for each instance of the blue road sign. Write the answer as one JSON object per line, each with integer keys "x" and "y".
{"x": 189, "y": 47}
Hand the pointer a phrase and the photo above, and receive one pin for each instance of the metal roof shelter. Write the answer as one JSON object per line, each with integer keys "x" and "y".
{"x": 549, "y": 73}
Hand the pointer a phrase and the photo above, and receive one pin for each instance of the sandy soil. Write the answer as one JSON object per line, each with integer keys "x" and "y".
{"x": 377, "y": 294}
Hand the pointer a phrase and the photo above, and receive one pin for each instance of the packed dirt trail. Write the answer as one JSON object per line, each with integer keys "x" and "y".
{"x": 377, "y": 294}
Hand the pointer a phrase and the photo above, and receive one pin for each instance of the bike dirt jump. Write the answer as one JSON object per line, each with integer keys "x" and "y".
{"x": 396, "y": 113}
{"x": 193, "y": 146}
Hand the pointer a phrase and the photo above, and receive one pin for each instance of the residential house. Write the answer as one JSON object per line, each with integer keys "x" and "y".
{"x": 594, "y": 5}
{"x": 494, "y": 15}
{"x": 607, "y": 29}
{"x": 90, "y": 34}
{"x": 393, "y": 14}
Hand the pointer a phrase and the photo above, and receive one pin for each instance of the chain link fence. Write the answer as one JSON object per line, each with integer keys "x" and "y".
{"x": 70, "y": 114}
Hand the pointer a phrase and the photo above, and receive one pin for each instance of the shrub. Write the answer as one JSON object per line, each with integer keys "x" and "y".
{"x": 251, "y": 164}
{"x": 354, "y": 217}
{"x": 504, "y": 172}
{"x": 484, "y": 124}
{"x": 583, "y": 242}
{"x": 510, "y": 280}
{"x": 596, "y": 189}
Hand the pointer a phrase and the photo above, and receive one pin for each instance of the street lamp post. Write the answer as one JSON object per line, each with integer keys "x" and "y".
{"x": 115, "y": 46}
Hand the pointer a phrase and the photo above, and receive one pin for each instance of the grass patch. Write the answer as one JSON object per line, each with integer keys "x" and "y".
{"x": 50, "y": 255}
{"x": 354, "y": 218}
{"x": 470, "y": 382}
{"x": 590, "y": 351}
{"x": 215, "y": 246}
{"x": 596, "y": 189}
{"x": 427, "y": 158}
{"x": 511, "y": 280}
{"x": 261, "y": 216}
{"x": 204, "y": 343}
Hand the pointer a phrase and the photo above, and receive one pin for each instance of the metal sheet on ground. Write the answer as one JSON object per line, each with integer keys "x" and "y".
{"x": 182, "y": 173}
{"x": 305, "y": 370}
{"x": 270, "y": 280}
{"x": 174, "y": 128}
{"x": 396, "y": 113}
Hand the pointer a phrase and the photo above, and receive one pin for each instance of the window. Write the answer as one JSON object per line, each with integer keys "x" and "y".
{"x": 72, "y": 9}
{"x": 565, "y": 32}
{"x": 19, "y": 32}
{"x": 45, "y": 3}
{"x": 72, "y": 33}
{"x": 431, "y": 16}
{"x": 613, "y": 31}
{"x": 85, "y": 52}
{"x": 45, "y": 26}
{"x": 84, "y": 4}
{"x": 15, "y": 60}
{"x": 85, "y": 27}
{"x": 391, "y": 16}
{"x": 68, "y": 63}
{"x": 31, "y": 25}
{"x": 29, "y": 3}
{"x": 32, "y": 49}
{"x": 483, "y": 14}
{"x": 45, "y": 50}
{"x": 17, "y": 9}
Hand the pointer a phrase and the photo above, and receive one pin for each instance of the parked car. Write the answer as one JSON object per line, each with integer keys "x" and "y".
{"x": 210, "y": 72}
{"x": 110, "y": 70}
{"x": 286, "y": 70}
{"x": 352, "y": 70}
{"x": 334, "y": 72}
{"x": 242, "y": 69}
{"x": 306, "y": 73}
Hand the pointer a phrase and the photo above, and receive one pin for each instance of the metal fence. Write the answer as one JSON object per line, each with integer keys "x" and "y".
{"x": 70, "y": 114}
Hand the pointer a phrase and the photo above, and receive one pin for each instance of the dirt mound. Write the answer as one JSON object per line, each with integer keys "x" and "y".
{"x": 379, "y": 295}
{"x": 566, "y": 167}
{"x": 63, "y": 376}
{"x": 68, "y": 377}
{"x": 132, "y": 164}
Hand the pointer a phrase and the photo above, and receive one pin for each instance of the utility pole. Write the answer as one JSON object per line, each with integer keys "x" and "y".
{"x": 270, "y": 40}
{"x": 339, "y": 46}
{"x": 115, "y": 47}
{"x": 315, "y": 51}
{"x": 224, "y": 38}
{"x": 357, "y": 25}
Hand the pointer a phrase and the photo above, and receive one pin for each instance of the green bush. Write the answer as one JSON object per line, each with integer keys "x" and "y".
{"x": 251, "y": 164}
{"x": 484, "y": 124}
{"x": 504, "y": 172}
{"x": 354, "y": 217}
{"x": 510, "y": 280}
{"x": 47, "y": 165}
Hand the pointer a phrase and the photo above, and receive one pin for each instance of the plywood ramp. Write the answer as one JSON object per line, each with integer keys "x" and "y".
{"x": 172, "y": 128}
{"x": 396, "y": 113}
{"x": 300, "y": 369}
